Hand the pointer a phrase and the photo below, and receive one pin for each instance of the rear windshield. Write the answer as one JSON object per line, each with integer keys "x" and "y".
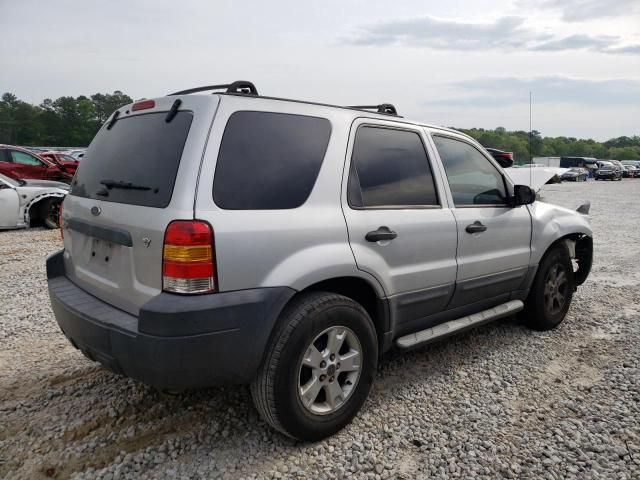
{"x": 269, "y": 160}
{"x": 135, "y": 162}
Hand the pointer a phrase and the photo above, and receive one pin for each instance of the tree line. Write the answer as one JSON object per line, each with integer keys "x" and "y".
{"x": 620, "y": 148}
{"x": 73, "y": 121}
{"x": 66, "y": 121}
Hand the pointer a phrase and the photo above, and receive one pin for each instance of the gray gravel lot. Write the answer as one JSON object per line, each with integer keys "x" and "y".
{"x": 499, "y": 401}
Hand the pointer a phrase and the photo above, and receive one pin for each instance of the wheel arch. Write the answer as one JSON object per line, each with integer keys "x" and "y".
{"x": 365, "y": 293}
{"x": 36, "y": 202}
{"x": 580, "y": 248}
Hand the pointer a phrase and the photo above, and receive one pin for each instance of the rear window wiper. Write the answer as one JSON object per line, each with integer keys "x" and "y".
{"x": 123, "y": 185}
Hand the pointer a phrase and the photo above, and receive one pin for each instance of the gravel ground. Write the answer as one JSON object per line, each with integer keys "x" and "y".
{"x": 499, "y": 401}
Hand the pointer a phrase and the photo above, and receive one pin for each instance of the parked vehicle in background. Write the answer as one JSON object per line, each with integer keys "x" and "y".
{"x": 36, "y": 150}
{"x": 607, "y": 171}
{"x": 77, "y": 154}
{"x": 63, "y": 159}
{"x": 628, "y": 171}
{"x": 575, "y": 174}
{"x": 20, "y": 163}
{"x": 583, "y": 162}
{"x": 505, "y": 159}
{"x": 618, "y": 164}
{"x": 25, "y": 203}
{"x": 292, "y": 267}
{"x": 635, "y": 163}
{"x": 547, "y": 161}
{"x": 531, "y": 165}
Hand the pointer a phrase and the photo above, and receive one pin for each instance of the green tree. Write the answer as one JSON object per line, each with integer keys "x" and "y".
{"x": 106, "y": 104}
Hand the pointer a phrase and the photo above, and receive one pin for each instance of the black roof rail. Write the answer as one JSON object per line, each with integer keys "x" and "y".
{"x": 385, "y": 108}
{"x": 239, "y": 86}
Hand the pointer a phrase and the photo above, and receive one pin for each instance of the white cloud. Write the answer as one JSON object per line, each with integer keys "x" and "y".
{"x": 297, "y": 49}
{"x": 491, "y": 92}
{"x": 579, "y": 10}
{"x": 509, "y": 33}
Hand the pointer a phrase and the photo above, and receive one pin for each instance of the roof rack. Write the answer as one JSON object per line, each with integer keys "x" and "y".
{"x": 243, "y": 87}
{"x": 239, "y": 86}
{"x": 385, "y": 108}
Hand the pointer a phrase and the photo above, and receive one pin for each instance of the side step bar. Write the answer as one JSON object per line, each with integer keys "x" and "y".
{"x": 455, "y": 326}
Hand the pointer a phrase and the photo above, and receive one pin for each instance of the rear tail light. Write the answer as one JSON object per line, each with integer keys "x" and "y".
{"x": 188, "y": 263}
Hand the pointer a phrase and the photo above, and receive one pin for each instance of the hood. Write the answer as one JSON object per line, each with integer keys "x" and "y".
{"x": 535, "y": 177}
{"x": 45, "y": 184}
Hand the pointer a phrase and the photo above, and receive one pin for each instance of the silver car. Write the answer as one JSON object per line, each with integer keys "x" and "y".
{"x": 236, "y": 238}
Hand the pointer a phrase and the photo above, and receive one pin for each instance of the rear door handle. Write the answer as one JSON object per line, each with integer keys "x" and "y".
{"x": 382, "y": 233}
{"x": 476, "y": 227}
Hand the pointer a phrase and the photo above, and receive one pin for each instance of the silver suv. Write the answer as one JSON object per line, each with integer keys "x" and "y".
{"x": 236, "y": 238}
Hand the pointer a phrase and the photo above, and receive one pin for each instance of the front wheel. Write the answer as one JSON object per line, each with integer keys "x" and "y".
{"x": 552, "y": 290}
{"x": 319, "y": 366}
{"x": 50, "y": 212}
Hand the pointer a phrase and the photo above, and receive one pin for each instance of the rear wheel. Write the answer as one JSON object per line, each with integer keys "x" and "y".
{"x": 552, "y": 290}
{"x": 319, "y": 366}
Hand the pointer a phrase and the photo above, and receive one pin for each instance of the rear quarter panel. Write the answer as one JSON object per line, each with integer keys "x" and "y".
{"x": 290, "y": 247}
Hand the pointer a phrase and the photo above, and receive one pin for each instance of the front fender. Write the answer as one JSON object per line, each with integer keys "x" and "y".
{"x": 551, "y": 223}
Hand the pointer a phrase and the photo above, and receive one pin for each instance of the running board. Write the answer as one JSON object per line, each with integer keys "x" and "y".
{"x": 455, "y": 326}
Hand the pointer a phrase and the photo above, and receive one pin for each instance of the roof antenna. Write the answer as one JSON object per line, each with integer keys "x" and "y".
{"x": 530, "y": 143}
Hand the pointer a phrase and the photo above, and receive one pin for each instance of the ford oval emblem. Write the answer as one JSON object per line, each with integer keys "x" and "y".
{"x": 95, "y": 210}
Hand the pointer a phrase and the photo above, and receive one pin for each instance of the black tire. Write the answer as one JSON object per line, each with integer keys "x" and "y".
{"x": 543, "y": 310}
{"x": 275, "y": 390}
{"x": 50, "y": 212}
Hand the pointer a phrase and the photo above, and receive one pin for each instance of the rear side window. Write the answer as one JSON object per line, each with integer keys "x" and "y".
{"x": 390, "y": 168}
{"x": 269, "y": 160}
{"x": 135, "y": 162}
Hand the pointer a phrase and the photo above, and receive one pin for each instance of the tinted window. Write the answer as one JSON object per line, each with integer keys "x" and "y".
{"x": 143, "y": 150}
{"x": 24, "y": 158}
{"x": 269, "y": 160}
{"x": 472, "y": 178}
{"x": 390, "y": 168}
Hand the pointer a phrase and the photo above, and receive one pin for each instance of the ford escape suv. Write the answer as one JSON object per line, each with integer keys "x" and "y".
{"x": 236, "y": 238}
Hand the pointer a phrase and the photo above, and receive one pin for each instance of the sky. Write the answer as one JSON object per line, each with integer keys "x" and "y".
{"x": 461, "y": 63}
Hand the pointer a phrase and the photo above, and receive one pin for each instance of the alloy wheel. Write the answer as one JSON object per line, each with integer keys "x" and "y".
{"x": 329, "y": 370}
{"x": 555, "y": 289}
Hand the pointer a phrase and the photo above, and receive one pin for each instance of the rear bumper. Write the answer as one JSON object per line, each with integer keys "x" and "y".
{"x": 176, "y": 341}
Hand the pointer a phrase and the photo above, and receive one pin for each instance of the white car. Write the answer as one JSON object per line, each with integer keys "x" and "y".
{"x": 25, "y": 203}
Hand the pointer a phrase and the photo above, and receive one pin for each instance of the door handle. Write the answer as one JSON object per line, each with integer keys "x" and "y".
{"x": 382, "y": 233}
{"x": 476, "y": 227}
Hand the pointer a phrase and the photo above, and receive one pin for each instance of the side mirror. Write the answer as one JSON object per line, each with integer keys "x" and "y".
{"x": 523, "y": 195}
{"x": 504, "y": 162}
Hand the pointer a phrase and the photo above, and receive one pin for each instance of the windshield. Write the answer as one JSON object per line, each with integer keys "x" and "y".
{"x": 134, "y": 162}
{"x": 10, "y": 181}
{"x": 574, "y": 170}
